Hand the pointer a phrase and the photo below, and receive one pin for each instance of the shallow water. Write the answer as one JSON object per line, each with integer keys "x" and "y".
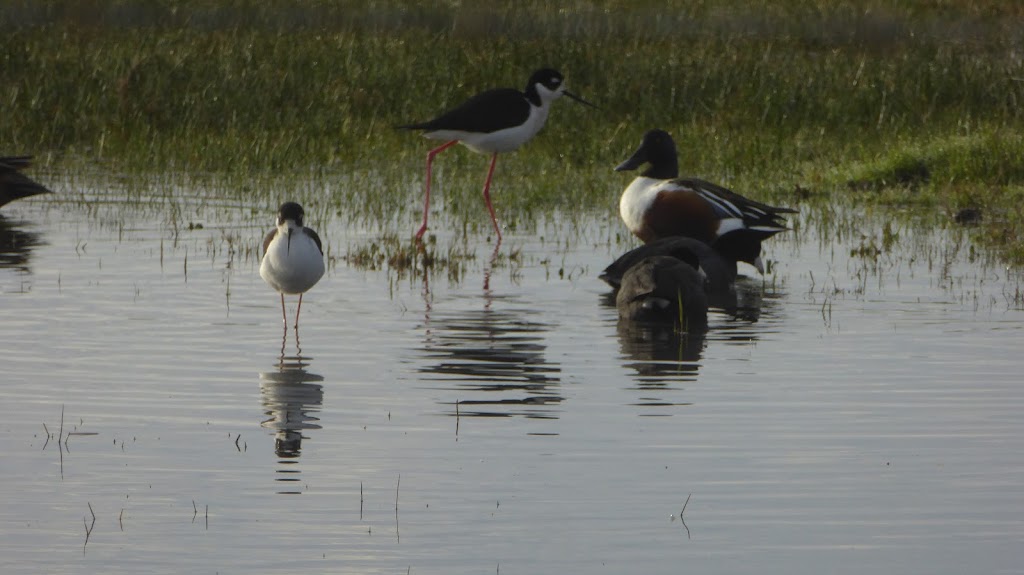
{"x": 855, "y": 415}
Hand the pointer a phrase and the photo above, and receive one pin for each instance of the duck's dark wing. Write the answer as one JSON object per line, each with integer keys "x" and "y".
{"x": 679, "y": 247}
{"x": 720, "y": 271}
{"x": 15, "y": 162}
{"x": 729, "y": 204}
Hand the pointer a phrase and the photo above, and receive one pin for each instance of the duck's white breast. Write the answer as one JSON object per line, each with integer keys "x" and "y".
{"x": 637, "y": 200}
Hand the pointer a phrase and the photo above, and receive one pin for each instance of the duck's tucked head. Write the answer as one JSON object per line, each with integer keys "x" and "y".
{"x": 657, "y": 149}
{"x": 663, "y": 289}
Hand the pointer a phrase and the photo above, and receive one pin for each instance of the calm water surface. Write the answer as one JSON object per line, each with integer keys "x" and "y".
{"x": 855, "y": 415}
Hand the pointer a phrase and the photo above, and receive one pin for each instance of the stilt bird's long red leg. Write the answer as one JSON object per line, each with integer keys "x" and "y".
{"x": 426, "y": 201}
{"x": 487, "y": 195}
{"x": 297, "y": 312}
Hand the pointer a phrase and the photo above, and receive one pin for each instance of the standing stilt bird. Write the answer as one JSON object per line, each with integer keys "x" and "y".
{"x": 491, "y": 122}
{"x": 293, "y": 257}
{"x": 660, "y": 204}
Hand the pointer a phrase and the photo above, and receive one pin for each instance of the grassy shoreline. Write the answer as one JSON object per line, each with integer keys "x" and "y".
{"x": 913, "y": 103}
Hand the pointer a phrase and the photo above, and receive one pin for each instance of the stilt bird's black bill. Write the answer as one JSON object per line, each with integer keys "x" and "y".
{"x": 578, "y": 99}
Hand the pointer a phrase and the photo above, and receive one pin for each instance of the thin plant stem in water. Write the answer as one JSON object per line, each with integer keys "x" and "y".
{"x": 88, "y": 527}
{"x": 685, "y": 503}
{"x": 59, "y": 448}
{"x": 682, "y": 313}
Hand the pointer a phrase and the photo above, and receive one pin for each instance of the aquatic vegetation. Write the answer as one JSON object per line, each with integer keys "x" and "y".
{"x": 914, "y": 103}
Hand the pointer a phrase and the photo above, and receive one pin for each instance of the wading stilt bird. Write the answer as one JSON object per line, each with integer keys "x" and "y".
{"x": 660, "y": 204}
{"x": 15, "y": 185}
{"x": 293, "y": 257}
{"x": 491, "y": 122}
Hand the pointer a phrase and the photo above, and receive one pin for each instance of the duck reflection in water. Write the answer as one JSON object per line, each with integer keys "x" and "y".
{"x": 290, "y": 395}
{"x": 16, "y": 244}
{"x": 663, "y": 314}
{"x": 662, "y": 292}
{"x": 661, "y": 355}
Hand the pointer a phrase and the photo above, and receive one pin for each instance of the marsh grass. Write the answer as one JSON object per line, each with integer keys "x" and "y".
{"x": 887, "y": 103}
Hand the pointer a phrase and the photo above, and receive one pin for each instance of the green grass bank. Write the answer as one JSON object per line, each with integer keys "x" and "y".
{"x": 894, "y": 103}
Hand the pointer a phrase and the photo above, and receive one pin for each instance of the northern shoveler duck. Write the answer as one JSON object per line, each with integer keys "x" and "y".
{"x": 494, "y": 121}
{"x": 660, "y": 204}
{"x": 293, "y": 257}
{"x": 13, "y": 184}
{"x": 718, "y": 271}
{"x": 663, "y": 289}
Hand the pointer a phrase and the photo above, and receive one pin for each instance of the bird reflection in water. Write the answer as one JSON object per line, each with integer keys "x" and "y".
{"x": 743, "y": 302}
{"x": 16, "y": 244}
{"x": 663, "y": 357}
{"x": 496, "y": 362}
{"x": 289, "y": 398}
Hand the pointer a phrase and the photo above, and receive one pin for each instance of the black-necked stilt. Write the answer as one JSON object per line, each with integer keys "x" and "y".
{"x": 717, "y": 270}
{"x": 659, "y": 204}
{"x": 663, "y": 289}
{"x": 491, "y": 122}
{"x": 15, "y": 185}
{"x": 293, "y": 257}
